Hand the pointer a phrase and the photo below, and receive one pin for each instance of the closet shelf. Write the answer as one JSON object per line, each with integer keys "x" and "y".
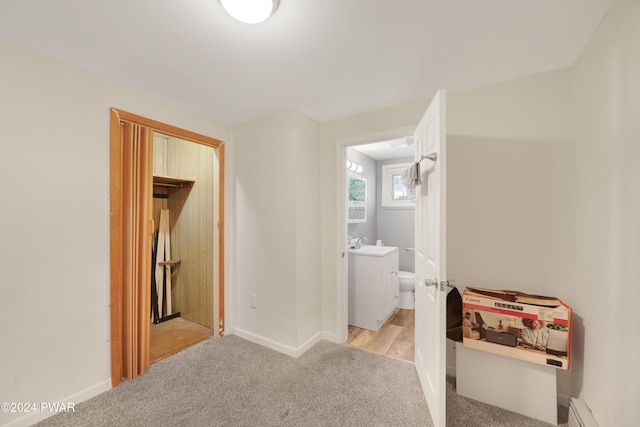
{"x": 170, "y": 181}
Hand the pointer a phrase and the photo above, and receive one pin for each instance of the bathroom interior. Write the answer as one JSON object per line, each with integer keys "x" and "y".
{"x": 380, "y": 226}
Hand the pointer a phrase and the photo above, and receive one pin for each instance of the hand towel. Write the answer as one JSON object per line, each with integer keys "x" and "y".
{"x": 411, "y": 177}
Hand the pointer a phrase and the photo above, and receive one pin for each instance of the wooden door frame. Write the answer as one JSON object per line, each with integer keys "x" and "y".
{"x": 116, "y": 212}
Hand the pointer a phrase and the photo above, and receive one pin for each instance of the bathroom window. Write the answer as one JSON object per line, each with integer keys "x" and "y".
{"x": 394, "y": 192}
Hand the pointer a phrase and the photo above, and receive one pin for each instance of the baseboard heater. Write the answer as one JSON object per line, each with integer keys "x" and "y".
{"x": 580, "y": 415}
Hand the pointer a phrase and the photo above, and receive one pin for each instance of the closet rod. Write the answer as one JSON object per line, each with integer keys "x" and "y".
{"x": 160, "y": 196}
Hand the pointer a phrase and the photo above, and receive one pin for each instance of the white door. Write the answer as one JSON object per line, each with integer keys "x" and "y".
{"x": 430, "y": 357}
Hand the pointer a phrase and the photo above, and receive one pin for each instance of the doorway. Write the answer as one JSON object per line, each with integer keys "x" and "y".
{"x": 430, "y": 249}
{"x": 387, "y": 222}
{"x": 183, "y": 245}
{"x": 132, "y": 234}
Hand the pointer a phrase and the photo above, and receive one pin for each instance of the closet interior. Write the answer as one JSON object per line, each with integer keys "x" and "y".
{"x": 184, "y": 284}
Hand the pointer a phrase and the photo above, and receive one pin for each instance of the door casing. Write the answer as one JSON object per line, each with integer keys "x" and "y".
{"x": 342, "y": 288}
{"x": 116, "y": 213}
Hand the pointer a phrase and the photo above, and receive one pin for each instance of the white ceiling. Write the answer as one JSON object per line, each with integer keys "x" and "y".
{"x": 391, "y": 149}
{"x": 328, "y": 58}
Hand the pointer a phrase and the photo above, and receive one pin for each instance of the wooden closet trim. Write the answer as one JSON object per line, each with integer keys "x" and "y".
{"x": 118, "y": 116}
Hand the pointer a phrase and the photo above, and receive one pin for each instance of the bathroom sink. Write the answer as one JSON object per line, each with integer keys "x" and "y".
{"x": 373, "y": 250}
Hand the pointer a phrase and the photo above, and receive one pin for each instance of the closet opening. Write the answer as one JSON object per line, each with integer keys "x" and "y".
{"x": 167, "y": 241}
{"x": 182, "y": 270}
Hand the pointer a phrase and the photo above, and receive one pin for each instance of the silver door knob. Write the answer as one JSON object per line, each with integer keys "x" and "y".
{"x": 430, "y": 282}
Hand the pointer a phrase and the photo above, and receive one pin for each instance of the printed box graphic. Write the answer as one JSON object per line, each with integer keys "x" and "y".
{"x": 533, "y": 328}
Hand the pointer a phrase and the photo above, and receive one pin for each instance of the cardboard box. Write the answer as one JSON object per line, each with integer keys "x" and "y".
{"x": 533, "y": 328}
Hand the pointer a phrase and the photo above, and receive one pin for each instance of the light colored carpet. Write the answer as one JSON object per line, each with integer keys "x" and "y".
{"x": 229, "y": 381}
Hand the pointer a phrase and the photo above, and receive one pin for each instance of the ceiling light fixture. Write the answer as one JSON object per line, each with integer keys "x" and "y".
{"x": 250, "y": 11}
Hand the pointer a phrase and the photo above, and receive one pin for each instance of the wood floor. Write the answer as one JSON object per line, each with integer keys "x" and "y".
{"x": 396, "y": 338}
{"x": 175, "y": 335}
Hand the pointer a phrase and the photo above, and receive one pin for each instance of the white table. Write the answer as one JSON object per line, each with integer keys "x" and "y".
{"x": 523, "y": 387}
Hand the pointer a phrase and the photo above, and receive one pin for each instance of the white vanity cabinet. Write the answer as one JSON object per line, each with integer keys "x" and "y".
{"x": 373, "y": 285}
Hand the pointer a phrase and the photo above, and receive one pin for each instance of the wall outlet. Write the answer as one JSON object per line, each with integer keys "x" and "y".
{"x": 253, "y": 300}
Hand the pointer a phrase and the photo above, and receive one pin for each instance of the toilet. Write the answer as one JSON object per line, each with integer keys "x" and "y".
{"x": 407, "y": 298}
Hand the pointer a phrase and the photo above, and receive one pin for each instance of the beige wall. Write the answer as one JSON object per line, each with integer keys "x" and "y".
{"x": 307, "y": 178}
{"x": 509, "y": 185}
{"x": 277, "y": 230}
{"x": 606, "y": 254}
{"x": 543, "y": 180}
{"x": 55, "y": 223}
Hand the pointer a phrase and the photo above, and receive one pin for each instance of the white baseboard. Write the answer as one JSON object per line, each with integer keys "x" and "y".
{"x": 451, "y": 371}
{"x": 275, "y": 345}
{"x": 330, "y": 336}
{"x": 67, "y": 403}
{"x": 309, "y": 343}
